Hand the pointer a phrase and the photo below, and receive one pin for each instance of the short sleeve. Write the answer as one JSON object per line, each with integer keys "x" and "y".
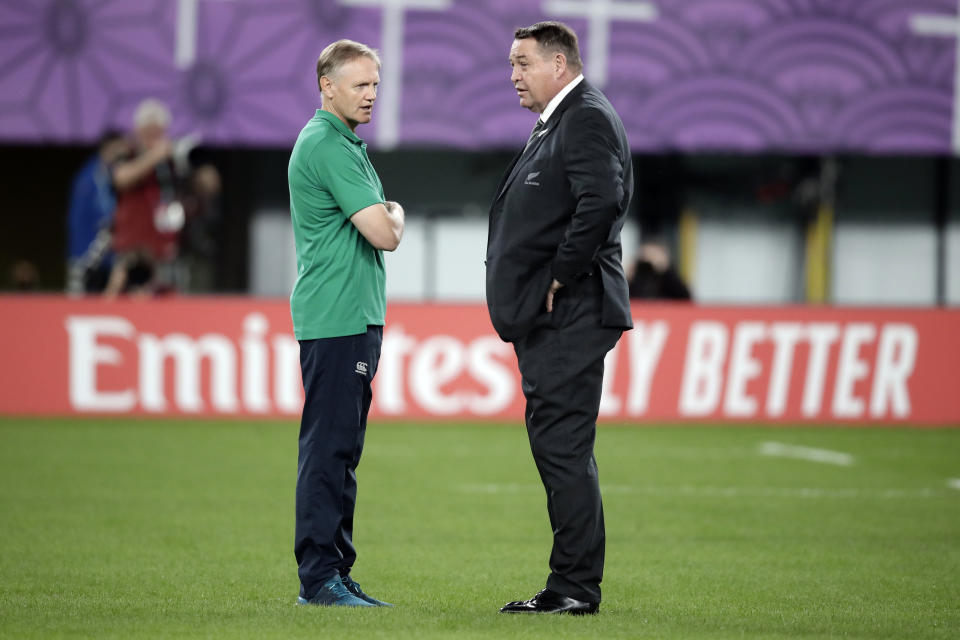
{"x": 347, "y": 179}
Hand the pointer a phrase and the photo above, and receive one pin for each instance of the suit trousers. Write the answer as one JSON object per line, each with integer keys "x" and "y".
{"x": 561, "y": 368}
{"x": 337, "y": 373}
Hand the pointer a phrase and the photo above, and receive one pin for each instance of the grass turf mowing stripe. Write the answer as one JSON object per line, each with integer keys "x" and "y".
{"x": 147, "y": 528}
{"x": 730, "y": 492}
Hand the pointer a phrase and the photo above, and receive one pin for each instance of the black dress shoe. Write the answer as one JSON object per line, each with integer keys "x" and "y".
{"x": 551, "y": 602}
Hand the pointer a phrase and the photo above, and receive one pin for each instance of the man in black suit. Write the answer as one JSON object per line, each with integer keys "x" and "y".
{"x": 556, "y": 289}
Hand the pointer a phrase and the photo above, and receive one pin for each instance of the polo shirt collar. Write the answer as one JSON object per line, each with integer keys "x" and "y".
{"x": 339, "y": 125}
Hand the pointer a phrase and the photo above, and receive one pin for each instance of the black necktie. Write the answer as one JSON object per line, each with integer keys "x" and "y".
{"x": 537, "y": 129}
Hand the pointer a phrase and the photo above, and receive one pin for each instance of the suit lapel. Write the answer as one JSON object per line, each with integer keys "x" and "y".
{"x": 524, "y": 156}
{"x": 507, "y": 174}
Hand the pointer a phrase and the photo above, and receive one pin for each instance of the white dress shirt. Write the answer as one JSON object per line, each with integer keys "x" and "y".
{"x": 557, "y": 99}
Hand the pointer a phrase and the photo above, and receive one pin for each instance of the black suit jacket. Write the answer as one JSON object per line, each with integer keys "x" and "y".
{"x": 558, "y": 213}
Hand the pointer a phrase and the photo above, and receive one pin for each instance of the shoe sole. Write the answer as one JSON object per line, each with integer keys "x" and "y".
{"x": 376, "y": 603}
{"x": 554, "y": 613}
{"x": 304, "y": 602}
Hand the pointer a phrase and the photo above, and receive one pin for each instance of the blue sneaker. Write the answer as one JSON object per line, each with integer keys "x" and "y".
{"x": 334, "y": 593}
{"x": 355, "y": 589}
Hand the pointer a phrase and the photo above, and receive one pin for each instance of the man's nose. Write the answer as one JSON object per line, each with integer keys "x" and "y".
{"x": 514, "y": 75}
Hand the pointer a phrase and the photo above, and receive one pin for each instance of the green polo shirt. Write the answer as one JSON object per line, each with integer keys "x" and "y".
{"x": 340, "y": 287}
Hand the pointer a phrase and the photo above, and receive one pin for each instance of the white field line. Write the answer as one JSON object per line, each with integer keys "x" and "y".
{"x": 954, "y": 483}
{"x": 722, "y": 492}
{"x": 825, "y": 456}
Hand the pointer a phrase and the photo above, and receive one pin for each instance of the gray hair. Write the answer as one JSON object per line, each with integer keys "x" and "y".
{"x": 151, "y": 111}
{"x": 338, "y": 53}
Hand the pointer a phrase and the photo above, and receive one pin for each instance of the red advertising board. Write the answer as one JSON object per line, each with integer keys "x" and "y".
{"x": 237, "y": 356}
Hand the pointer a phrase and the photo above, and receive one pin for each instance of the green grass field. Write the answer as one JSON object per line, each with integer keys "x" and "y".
{"x": 123, "y": 528}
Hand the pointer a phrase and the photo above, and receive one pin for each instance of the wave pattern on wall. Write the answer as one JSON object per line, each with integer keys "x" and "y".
{"x": 730, "y": 75}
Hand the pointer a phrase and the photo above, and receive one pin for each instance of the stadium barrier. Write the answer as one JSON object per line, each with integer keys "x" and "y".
{"x": 236, "y": 356}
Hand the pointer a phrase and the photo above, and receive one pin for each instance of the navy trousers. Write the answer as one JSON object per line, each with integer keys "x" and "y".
{"x": 337, "y": 373}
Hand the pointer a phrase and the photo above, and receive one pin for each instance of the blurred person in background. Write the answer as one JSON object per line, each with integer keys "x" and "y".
{"x": 24, "y": 276}
{"x": 557, "y": 291}
{"x": 90, "y": 218}
{"x": 341, "y": 226}
{"x": 199, "y": 246}
{"x": 653, "y": 276}
{"x": 157, "y": 192}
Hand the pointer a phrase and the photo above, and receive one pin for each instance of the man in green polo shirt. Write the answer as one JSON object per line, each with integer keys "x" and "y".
{"x": 341, "y": 225}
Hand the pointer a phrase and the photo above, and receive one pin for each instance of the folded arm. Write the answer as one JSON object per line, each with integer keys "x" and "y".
{"x": 381, "y": 224}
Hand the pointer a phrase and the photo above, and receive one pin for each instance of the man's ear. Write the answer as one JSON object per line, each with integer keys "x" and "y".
{"x": 325, "y": 84}
{"x": 559, "y": 64}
